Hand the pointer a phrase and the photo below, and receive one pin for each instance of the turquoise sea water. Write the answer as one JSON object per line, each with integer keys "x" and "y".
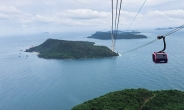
{"x": 31, "y": 83}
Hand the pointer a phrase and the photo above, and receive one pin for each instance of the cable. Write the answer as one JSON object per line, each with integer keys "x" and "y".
{"x": 136, "y": 15}
{"x": 175, "y": 30}
{"x": 114, "y": 32}
{"x": 112, "y": 18}
{"x": 118, "y": 17}
{"x": 117, "y": 22}
{"x": 169, "y": 33}
{"x": 141, "y": 46}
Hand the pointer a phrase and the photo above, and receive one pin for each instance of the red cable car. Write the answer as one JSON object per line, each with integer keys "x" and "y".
{"x": 161, "y": 56}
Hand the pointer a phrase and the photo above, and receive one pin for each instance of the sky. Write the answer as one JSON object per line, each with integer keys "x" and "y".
{"x": 38, "y": 16}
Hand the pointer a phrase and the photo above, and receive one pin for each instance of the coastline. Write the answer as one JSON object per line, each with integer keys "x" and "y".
{"x": 119, "y": 54}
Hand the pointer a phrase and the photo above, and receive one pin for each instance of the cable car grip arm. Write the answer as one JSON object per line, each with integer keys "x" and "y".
{"x": 162, "y": 37}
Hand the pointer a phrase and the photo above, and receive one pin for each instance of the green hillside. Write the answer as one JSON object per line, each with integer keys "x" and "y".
{"x": 136, "y": 99}
{"x": 61, "y": 49}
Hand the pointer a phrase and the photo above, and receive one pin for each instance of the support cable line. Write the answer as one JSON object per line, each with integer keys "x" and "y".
{"x": 141, "y": 46}
{"x": 169, "y": 33}
{"x": 118, "y": 19}
{"x": 136, "y": 16}
{"x": 114, "y": 32}
{"x": 173, "y": 31}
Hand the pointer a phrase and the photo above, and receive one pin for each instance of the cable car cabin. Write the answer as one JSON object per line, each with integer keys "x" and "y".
{"x": 160, "y": 57}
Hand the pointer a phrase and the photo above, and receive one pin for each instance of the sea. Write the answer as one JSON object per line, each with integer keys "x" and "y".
{"x": 31, "y": 83}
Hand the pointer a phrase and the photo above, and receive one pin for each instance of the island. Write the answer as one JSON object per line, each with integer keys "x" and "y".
{"x": 136, "y": 99}
{"x": 45, "y": 33}
{"x": 120, "y": 35}
{"x": 165, "y": 28}
{"x": 62, "y": 49}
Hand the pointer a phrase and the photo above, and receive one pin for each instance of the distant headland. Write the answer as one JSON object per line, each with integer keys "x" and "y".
{"x": 136, "y": 99}
{"x": 62, "y": 49}
{"x": 120, "y": 35}
{"x": 45, "y": 33}
{"x": 165, "y": 28}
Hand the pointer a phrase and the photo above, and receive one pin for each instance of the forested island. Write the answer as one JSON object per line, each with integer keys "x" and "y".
{"x": 62, "y": 49}
{"x": 120, "y": 35}
{"x": 136, "y": 99}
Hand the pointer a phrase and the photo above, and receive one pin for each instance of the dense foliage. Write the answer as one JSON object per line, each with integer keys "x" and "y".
{"x": 121, "y": 35}
{"x": 61, "y": 49}
{"x": 136, "y": 99}
{"x": 166, "y": 100}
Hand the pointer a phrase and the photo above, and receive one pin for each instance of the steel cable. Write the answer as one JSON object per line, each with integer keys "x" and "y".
{"x": 136, "y": 16}
{"x": 169, "y": 33}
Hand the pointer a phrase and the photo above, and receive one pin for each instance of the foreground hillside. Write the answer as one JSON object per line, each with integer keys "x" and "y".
{"x": 136, "y": 99}
{"x": 61, "y": 49}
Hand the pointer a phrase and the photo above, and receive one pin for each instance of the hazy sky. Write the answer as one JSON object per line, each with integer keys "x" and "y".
{"x": 37, "y": 16}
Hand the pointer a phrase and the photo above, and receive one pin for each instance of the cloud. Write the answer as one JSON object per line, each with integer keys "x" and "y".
{"x": 45, "y": 15}
{"x": 92, "y": 18}
{"x": 9, "y": 10}
{"x": 175, "y": 14}
{"x": 153, "y": 19}
{"x": 11, "y": 13}
{"x": 86, "y": 17}
{"x": 84, "y": 14}
{"x": 79, "y": 17}
{"x": 166, "y": 15}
